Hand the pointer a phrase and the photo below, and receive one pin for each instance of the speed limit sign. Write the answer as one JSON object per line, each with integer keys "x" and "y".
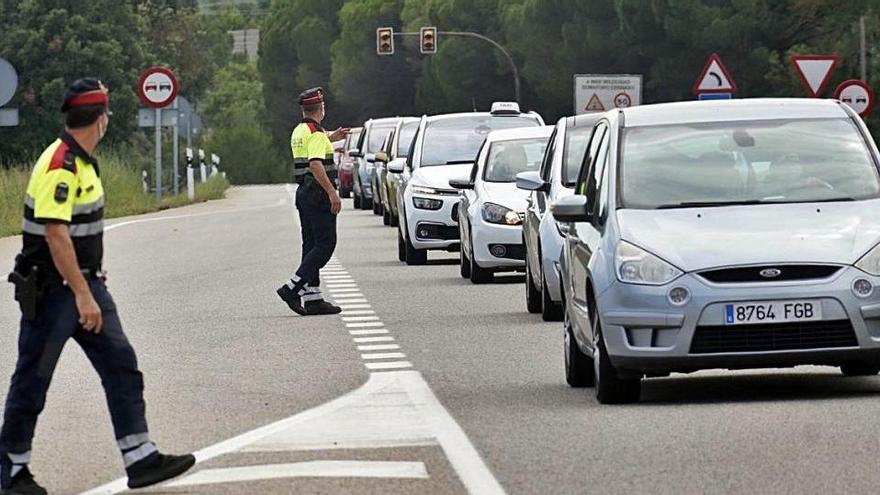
{"x": 157, "y": 87}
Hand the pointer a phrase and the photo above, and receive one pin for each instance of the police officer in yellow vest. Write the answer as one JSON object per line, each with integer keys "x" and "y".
{"x": 318, "y": 204}
{"x": 60, "y": 288}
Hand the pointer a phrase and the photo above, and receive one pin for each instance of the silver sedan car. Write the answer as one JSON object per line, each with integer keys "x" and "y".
{"x": 738, "y": 234}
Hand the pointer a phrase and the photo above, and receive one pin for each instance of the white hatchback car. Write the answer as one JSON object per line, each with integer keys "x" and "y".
{"x": 492, "y": 208}
{"x": 444, "y": 148}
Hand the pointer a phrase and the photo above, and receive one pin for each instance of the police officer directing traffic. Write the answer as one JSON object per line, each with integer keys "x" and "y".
{"x": 318, "y": 204}
{"x": 61, "y": 290}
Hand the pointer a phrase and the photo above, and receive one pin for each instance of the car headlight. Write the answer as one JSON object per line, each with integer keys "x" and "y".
{"x": 870, "y": 263}
{"x": 637, "y": 266}
{"x": 427, "y": 203}
{"x": 423, "y": 190}
{"x": 493, "y": 213}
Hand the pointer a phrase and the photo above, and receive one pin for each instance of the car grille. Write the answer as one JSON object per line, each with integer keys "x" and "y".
{"x": 753, "y": 273}
{"x": 773, "y": 337}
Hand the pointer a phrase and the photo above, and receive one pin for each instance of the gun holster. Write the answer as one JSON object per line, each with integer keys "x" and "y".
{"x": 28, "y": 289}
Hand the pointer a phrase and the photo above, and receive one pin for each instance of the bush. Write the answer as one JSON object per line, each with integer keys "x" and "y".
{"x": 122, "y": 184}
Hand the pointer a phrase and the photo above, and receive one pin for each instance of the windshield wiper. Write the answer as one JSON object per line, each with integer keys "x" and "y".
{"x": 695, "y": 204}
{"x": 460, "y": 162}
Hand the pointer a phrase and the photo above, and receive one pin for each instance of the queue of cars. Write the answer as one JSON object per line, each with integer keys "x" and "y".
{"x": 668, "y": 238}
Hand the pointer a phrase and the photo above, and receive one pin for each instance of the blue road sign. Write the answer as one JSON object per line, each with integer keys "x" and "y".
{"x": 715, "y": 96}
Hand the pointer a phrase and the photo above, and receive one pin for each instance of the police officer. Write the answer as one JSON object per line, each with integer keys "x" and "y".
{"x": 60, "y": 288}
{"x": 318, "y": 204}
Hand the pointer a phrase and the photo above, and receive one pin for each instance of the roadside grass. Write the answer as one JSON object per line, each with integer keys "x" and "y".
{"x": 122, "y": 185}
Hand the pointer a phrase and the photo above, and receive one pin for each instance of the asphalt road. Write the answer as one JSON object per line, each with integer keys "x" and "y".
{"x": 475, "y": 399}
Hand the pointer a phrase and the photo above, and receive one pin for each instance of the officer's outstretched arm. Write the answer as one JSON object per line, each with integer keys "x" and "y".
{"x": 64, "y": 257}
{"x": 317, "y": 169}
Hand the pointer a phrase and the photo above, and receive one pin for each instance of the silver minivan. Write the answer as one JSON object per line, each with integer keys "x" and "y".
{"x": 737, "y": 234}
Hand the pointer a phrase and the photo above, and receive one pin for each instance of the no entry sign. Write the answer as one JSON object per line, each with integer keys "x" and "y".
{"x": 157, "y": 87}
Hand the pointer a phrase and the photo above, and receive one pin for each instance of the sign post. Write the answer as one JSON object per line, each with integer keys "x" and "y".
{"x": 714, "y": 80}
{"x": 600, "y": 92}
{"x": 157, "y": 88}
{"x": 857, "y": 94}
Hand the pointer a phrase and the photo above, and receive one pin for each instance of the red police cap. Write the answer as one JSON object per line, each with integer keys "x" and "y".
{"x": 85, "y": 92}
{"x": 311, "y": 96}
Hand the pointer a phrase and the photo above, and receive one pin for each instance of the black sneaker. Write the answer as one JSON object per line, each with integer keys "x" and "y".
{"x": 158, "y": 468}
{"x": 322, "y": 308}
{"x": 293, "y": 301}
{"x": 23, "y": 484}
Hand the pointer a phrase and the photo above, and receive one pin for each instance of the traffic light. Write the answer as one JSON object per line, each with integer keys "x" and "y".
{"x": 385, "y": 41}
{"x": 428, "y": 40}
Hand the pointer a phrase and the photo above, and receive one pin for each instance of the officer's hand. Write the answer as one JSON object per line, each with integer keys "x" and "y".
{"x": 89, "y": 313}
{"x": 339, "y": 133}
{"x": 335, "y": 203}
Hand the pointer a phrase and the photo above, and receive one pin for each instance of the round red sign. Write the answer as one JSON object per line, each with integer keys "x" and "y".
{"x": 157, "y": 87}
{"x": 857, "y": 94}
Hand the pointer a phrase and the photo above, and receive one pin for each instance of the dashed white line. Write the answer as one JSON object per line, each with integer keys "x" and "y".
{"x": 358, "y": 312}
{"x": 350, "y": 289}
{"x": 389, "y": 365}
{"x": 359, "y": 318}
{"x": 384, "y": 355}
{"x": 354, "y": 306}
{"x": 378, "y": 347}
{"x": 368, "y": 340}
{"x": 365, "y": 324}
{"x": 374, "y": 331}
{"x": 353, "y": 295}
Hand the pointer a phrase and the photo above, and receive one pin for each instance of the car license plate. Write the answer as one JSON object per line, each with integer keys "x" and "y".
{"x": 772, "y": 312}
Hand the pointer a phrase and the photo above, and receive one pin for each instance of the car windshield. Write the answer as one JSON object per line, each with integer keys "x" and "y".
{"x": 576, "y": 141}
{"x": 407, "y": 133}
{"x": 718, "y": 164}
{"x": 352, "y": 141}
{"x": 457, "y": 140}
{"x": 377, "y": 137}
{"x": 508, "y": 158}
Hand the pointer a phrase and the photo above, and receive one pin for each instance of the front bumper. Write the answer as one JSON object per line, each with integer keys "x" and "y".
{"x": 440, "y": 225}
{"x": 486, "y": 235}
{"x": 644, "y": 332}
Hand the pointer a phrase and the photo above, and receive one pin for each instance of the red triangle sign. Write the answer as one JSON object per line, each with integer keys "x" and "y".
{"x": 815, "y": 71}
{"x": 714, "y": 78}
{"x": 595, "y": 105}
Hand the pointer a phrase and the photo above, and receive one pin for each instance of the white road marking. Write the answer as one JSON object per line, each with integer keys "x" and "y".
{"x": 367, "y": 340}
{"x": 359, "y": 318}
{"x": 365, "y": 324}
{"x": 358, "y": 312}
{"x": 378, "y": 347}
{"x": 355, "y": 300}
{"x": 342, "y": 286}
{"x": 353, "y": 295}
{"x": 375, "y": 331}
{"x": 390, "y": 365}
{"x": 384, "y": 355}
{"x": 334, "y": 291}
{"x": 114, "y": 226}
{"x": 355, "y": 306}
{"x": 312, "y": 469}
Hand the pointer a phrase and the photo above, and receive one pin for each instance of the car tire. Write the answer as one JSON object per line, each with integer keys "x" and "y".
{"x": 377, "y": 207}
{"x": 345, "y": 193}
{"x": 550, "y": 311}
{"x": 386, "y": 217}
{"x": 610, "y": 387}
{"x": 533, "y": 297}
{"x": 395, "y": 220}
{"x": 415, "y": 256}
{"x": 859, "y": 369}
{"x": 366, "y": 203}
{"x": 357, "y": 201}
{"x": 401, "y": 247}
{"x": 579, "y": 370}
{"x": 465, "y": 264}
{"x": 480, "y": 275}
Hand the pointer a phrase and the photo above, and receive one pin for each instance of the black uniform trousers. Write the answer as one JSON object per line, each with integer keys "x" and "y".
{"x": 318, "y": 226}
{"x": 40, "y": 343}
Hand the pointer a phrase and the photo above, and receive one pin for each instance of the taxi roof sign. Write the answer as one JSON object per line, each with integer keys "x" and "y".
{"x": 505, "y": 108}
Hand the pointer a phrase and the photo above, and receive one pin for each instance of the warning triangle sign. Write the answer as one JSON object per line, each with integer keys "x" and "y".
{"x": 815, "y": 71}
{"x": 594, "y": 105}
{"x": 714, "y": 78}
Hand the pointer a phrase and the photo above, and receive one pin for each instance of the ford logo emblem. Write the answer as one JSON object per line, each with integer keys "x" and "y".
{"x": 770, "y": 272}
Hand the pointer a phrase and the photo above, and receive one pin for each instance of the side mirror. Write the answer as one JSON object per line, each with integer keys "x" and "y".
{"x": 381, "y": 157}
{"x": 396, "y": 166}
{"x": 461, "y": 184}
{"x": 571, "y": 209}
{"x": 370, "y": 157}
{"x": 354, "y": 153}
{"x": 531, "y": 181}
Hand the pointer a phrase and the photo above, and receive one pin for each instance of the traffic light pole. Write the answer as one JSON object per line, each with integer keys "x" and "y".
{"x": 468, "y": 34}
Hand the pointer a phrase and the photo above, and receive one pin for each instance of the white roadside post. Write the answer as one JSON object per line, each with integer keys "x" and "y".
{"x": 215, "y": 162}
{"x": 190, "y": 175}
{"x": 202, "y": 168}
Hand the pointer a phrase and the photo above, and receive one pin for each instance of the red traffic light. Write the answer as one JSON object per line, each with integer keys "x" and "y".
{"x": 385, "y": 41}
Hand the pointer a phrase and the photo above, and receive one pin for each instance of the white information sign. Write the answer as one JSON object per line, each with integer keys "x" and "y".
{"x": 599, "y": 92}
